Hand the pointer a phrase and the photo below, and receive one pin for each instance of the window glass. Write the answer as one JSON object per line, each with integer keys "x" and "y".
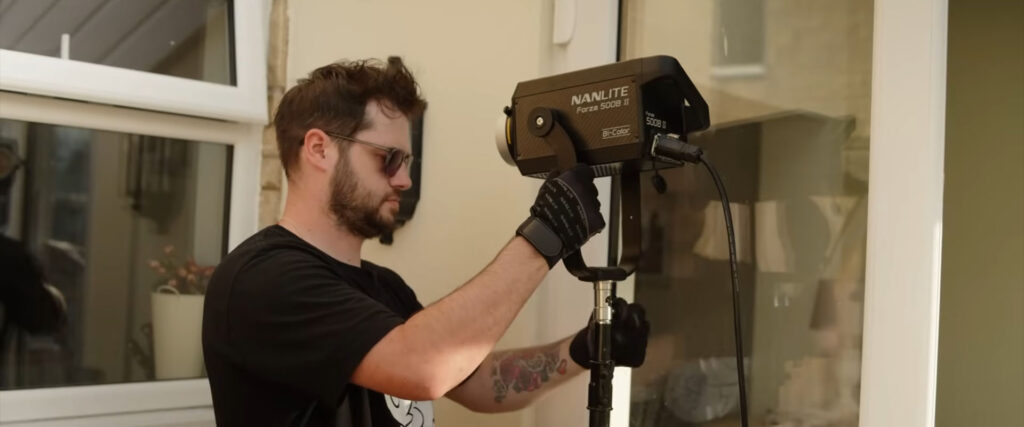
{"x": 790, "y": 140}
{"x": 124, "y": 230}
{"x": 183, "y": 38}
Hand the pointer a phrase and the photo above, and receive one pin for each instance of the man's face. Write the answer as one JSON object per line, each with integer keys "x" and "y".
{"x": 363, "y": 198}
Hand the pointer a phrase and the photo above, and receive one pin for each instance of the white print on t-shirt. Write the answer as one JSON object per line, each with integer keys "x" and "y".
{"x": 411, "y": 413}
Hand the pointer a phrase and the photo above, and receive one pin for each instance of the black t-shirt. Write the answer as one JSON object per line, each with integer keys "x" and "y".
{"x": 284, "y": 327}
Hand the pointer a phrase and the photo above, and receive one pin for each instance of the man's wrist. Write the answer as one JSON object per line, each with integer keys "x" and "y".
{"x": 543, "y": 239}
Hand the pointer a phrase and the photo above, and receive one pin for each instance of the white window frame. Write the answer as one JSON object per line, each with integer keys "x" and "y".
{"x": 156, "y": 105}
{"x": 79, "y": 401}
{"x": 733, "y": 71}
{"x": 103, "y": 84}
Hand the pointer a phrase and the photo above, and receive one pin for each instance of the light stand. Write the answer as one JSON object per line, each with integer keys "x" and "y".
{"x": 545, "y": 124}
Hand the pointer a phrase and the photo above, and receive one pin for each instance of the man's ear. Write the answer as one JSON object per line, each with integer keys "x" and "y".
{"x": 316, "y": 150}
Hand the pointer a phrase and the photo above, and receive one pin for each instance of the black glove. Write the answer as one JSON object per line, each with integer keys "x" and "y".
{"x": 629, "y": 337}
{"x": 565, "y": 215}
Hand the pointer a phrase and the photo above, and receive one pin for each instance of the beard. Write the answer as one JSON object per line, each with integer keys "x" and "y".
{"x": 355, "y": 208}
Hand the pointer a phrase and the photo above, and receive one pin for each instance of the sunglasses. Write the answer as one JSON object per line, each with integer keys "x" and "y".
{"x": 393, "y": 159}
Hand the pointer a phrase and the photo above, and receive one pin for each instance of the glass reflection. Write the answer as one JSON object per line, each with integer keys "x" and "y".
{"x": 106, "y": 242}
{"x": 181, "y": 38}
{"x": 788, "y": 85}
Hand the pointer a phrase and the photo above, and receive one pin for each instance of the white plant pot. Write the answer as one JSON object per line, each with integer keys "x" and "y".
{"x": 177, "y": 334}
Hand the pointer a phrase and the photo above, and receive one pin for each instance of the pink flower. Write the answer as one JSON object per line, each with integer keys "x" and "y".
{"x": 181, "y": 273}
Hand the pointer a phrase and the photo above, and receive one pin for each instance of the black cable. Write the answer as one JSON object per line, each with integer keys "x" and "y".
{"x": 674, "y": 148}
{"x": 737, "y": 329}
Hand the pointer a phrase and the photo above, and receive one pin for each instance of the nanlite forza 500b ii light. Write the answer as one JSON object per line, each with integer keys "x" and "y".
{"x": 620, "y": 119}
{"x": 612, "y": 114}
{"x": 617, "y": 118}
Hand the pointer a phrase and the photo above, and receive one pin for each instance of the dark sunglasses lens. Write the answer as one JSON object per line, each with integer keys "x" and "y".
{"x": 392, "y": 163}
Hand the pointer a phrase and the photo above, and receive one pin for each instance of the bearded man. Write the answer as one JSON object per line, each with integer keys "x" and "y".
{"x": 298, "y": 329}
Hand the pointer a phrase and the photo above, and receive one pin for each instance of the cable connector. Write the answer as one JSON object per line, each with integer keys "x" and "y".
{"x": 671, "y": 147}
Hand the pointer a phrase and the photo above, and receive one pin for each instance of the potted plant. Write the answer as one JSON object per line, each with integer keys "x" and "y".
{"x": 177, "y": 313}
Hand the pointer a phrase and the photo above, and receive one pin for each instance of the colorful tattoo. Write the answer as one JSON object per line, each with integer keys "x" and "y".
{"x": 525, "y": 371}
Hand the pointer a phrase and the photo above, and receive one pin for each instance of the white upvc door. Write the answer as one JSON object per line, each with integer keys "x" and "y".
{"x": 901, "y": 307}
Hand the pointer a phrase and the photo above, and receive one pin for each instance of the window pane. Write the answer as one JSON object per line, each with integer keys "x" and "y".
{"x": 739, "y": 36}
{"x": 791, "y": 144}
{"x": 121, "y": 227}
{"x": 183, "y": 38}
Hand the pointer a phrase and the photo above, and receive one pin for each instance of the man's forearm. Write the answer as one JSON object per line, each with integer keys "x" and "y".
{"x": 442, "y": 344}
{"x": 513, "y": 379}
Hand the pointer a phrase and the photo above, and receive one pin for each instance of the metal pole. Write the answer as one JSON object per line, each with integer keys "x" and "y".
{"x": 602, "y": 369}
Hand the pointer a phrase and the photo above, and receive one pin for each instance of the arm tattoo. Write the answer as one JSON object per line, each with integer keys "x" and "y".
{"x": 523, "y": 371}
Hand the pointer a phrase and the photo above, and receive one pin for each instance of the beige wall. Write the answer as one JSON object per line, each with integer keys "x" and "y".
{"x": 981, "y": 330}
{"x": 467, "y": 57}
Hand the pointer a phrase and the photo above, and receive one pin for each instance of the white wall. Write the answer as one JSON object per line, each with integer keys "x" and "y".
{"x": 467, "y": 57}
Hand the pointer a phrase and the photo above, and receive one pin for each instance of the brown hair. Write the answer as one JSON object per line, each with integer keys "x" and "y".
{"x": 334, "y": 98}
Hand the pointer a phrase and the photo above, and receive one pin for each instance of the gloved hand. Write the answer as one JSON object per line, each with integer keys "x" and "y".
{"x": 629, "y": 337}
{"x": 565, "y": 215}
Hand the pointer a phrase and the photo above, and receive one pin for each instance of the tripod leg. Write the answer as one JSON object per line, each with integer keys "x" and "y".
{"x": 602, "y": 369}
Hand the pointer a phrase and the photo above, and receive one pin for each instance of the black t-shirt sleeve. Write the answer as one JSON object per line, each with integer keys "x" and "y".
{"x": 294, "y": 322}
{"x": 401, "y": 291}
